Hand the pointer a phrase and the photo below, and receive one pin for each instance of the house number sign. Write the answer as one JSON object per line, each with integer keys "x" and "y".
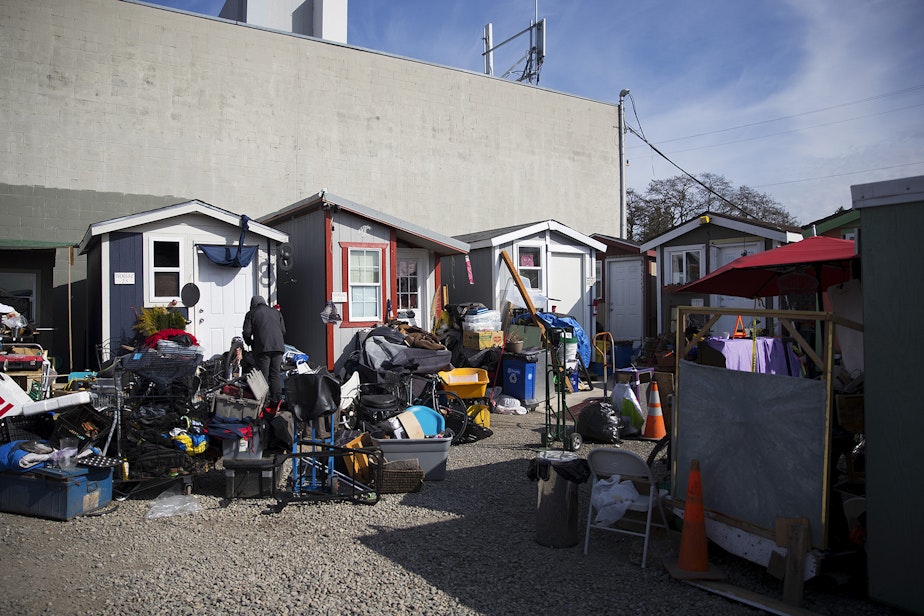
{"x": 123, "y": 278}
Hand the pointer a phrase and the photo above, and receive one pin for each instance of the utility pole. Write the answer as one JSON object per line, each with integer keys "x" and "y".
{"x": 622, "y": 164}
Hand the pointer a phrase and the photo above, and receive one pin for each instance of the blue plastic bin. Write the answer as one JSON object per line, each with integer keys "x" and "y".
{"x": 519, "y": 378}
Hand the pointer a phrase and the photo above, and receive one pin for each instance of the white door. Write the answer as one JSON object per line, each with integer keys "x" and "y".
{"x": 224, "y": 299}
{"x": 625, "y": 299}
{"x": 413, "y": 290}
{"x": 567, "y": 290}
{"x": 723, "y": 255}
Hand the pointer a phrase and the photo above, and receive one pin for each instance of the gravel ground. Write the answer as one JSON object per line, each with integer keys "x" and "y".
{"x": 464, "y": 545}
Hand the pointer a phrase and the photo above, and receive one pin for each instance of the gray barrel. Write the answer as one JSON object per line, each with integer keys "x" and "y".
{"x": 557, "y": 502}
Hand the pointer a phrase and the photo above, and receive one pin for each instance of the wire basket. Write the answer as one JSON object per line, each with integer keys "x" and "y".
{"x": 164, "y": 365}
{"x": 401, "y": 477}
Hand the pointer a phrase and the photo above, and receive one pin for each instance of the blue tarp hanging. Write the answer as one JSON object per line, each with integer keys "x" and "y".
{"x": 563, "y": 322}
{"x": 231, "y": 256}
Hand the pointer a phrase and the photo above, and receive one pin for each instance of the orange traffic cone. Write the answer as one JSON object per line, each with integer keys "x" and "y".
{"x": 693, "y": 562}
{"x": 654, "y": 424}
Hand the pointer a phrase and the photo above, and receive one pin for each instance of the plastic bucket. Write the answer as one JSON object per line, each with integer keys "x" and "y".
{"x": 623, "y": 354}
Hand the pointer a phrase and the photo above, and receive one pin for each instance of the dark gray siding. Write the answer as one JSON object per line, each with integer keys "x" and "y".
{"x": 125, "y": 255}
{"x": 893, "y": 293}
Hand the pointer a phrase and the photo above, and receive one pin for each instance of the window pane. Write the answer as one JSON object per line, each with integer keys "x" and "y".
{"x": 533, "y": 277}
{"x": 166, "y": 254}
{"x": 364, "y": 266}
{"x": 166, "y": 284}
{"x": 365, "y": 304}
{"x": 692, "y": 266}
{"x": 677, "y": 269}
{"x": 530, "y": 257}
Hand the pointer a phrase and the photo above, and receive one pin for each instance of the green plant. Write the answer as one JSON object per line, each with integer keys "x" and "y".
{"x": 156, "y": 318}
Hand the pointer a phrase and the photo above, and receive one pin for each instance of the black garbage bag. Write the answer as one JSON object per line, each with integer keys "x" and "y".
{"x": 599, "y": 422}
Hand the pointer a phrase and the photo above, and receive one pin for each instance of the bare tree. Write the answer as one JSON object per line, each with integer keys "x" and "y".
{"x": 667, "y": 203}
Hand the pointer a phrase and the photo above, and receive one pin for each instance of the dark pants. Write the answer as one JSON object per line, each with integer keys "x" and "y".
{"x": 268, "y": 363}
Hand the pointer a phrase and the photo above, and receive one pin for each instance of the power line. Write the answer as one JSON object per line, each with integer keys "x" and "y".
{"x": 837, "y": 175}
{"x": 688, "y": 174}
{"x": 794, "y": 130}
{"x": 796, "y": 115}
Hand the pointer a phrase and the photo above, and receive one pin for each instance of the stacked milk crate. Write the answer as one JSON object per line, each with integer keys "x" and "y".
{"x": 481, "y": 329}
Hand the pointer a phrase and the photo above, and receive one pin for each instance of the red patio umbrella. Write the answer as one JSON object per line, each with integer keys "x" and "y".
{"x": 791, "y": 268}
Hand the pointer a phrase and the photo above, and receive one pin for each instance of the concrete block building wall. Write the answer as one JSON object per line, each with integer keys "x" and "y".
{"x": 109, "y": 108}
{"x": 108, "y": 96}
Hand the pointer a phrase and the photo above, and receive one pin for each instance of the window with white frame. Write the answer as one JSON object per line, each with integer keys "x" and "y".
{"x": 684, "y": 264}
{"x": 529, "y": 265}
{"x": 365, "y": 284}
{"x": 165, "y": 268}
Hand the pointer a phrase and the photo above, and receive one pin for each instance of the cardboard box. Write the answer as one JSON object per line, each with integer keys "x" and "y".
{"x": 482, "y": 339}
{"x": 357, "y": 464}
{"x": 56, "y": 493}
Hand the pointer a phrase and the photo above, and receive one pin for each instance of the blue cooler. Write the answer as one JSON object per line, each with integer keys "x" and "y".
{"x": 519, "y": 371}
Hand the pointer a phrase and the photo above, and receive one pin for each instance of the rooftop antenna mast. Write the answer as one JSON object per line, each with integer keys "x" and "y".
{"x": 533, "y": 57}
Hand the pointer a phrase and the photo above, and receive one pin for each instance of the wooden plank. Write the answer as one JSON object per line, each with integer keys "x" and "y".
{"x": 803, "y": 344}
{"x": 747, "y": 597}
{"x": 796, "y": 548}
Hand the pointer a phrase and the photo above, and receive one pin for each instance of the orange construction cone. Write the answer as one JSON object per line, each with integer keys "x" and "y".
{"x": 693, "y": 562}
{"x": 654, "y": 424}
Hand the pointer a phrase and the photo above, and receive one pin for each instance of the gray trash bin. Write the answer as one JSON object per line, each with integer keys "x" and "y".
{"x": 557, "y": 502}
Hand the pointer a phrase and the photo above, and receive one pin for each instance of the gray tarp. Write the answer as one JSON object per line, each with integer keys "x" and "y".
{"x": 761, "y": 442}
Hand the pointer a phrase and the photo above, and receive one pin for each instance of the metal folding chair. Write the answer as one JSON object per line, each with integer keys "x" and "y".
{"x": 606, "y": 462}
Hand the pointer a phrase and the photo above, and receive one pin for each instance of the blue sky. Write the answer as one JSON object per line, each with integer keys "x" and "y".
{"x": 798, "y": 99}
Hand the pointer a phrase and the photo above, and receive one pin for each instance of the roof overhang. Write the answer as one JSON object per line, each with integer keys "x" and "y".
{"x": 405, "y": 231}
{"x": 889, "y": 192}
{"x": 539, "y": 227}
{"x": 778, "y": 235}
{"x": 172, "y": 211}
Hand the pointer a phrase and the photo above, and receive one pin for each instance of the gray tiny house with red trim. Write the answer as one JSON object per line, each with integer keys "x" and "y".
{"x": 362, "y": 260}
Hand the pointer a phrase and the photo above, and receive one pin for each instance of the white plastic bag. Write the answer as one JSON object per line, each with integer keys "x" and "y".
{"x": 611, "y": 498}
{"x": 624, "y": 399}
{"x": 171, "y": 503}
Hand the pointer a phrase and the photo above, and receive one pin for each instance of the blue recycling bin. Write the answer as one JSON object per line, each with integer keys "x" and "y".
{"x": 519, "y": 370}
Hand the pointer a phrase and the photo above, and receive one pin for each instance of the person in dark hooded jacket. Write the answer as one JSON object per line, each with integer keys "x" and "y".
{"x": 264, "y": 332}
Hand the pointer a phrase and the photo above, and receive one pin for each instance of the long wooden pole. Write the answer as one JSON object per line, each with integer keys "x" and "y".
{"x": 532, "y": 311}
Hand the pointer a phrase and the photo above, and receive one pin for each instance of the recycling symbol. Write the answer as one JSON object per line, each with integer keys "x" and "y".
{"x": 512, "y": 376}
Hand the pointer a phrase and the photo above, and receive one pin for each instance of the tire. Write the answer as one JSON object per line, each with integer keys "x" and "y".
{"x": 455, "y": 413}
{"x": 659, "y": 460}
{"x": 575, "y": 441}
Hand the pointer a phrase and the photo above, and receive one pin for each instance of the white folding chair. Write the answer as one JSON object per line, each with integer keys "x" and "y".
{"x": 605, "y": 462}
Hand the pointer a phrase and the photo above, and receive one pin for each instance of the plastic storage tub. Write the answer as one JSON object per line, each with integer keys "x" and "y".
{"x": 519, "y": 378}
{"x": 250, "y": 478}
{"x": 242, "y": 448}
{"x": 431, "y": 453}
{"x": 465, "y": 382}
{"x": 56, "y": 493}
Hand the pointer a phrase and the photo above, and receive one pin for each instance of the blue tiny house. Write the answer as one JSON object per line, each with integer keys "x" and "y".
{"x": 191, "y": 256}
